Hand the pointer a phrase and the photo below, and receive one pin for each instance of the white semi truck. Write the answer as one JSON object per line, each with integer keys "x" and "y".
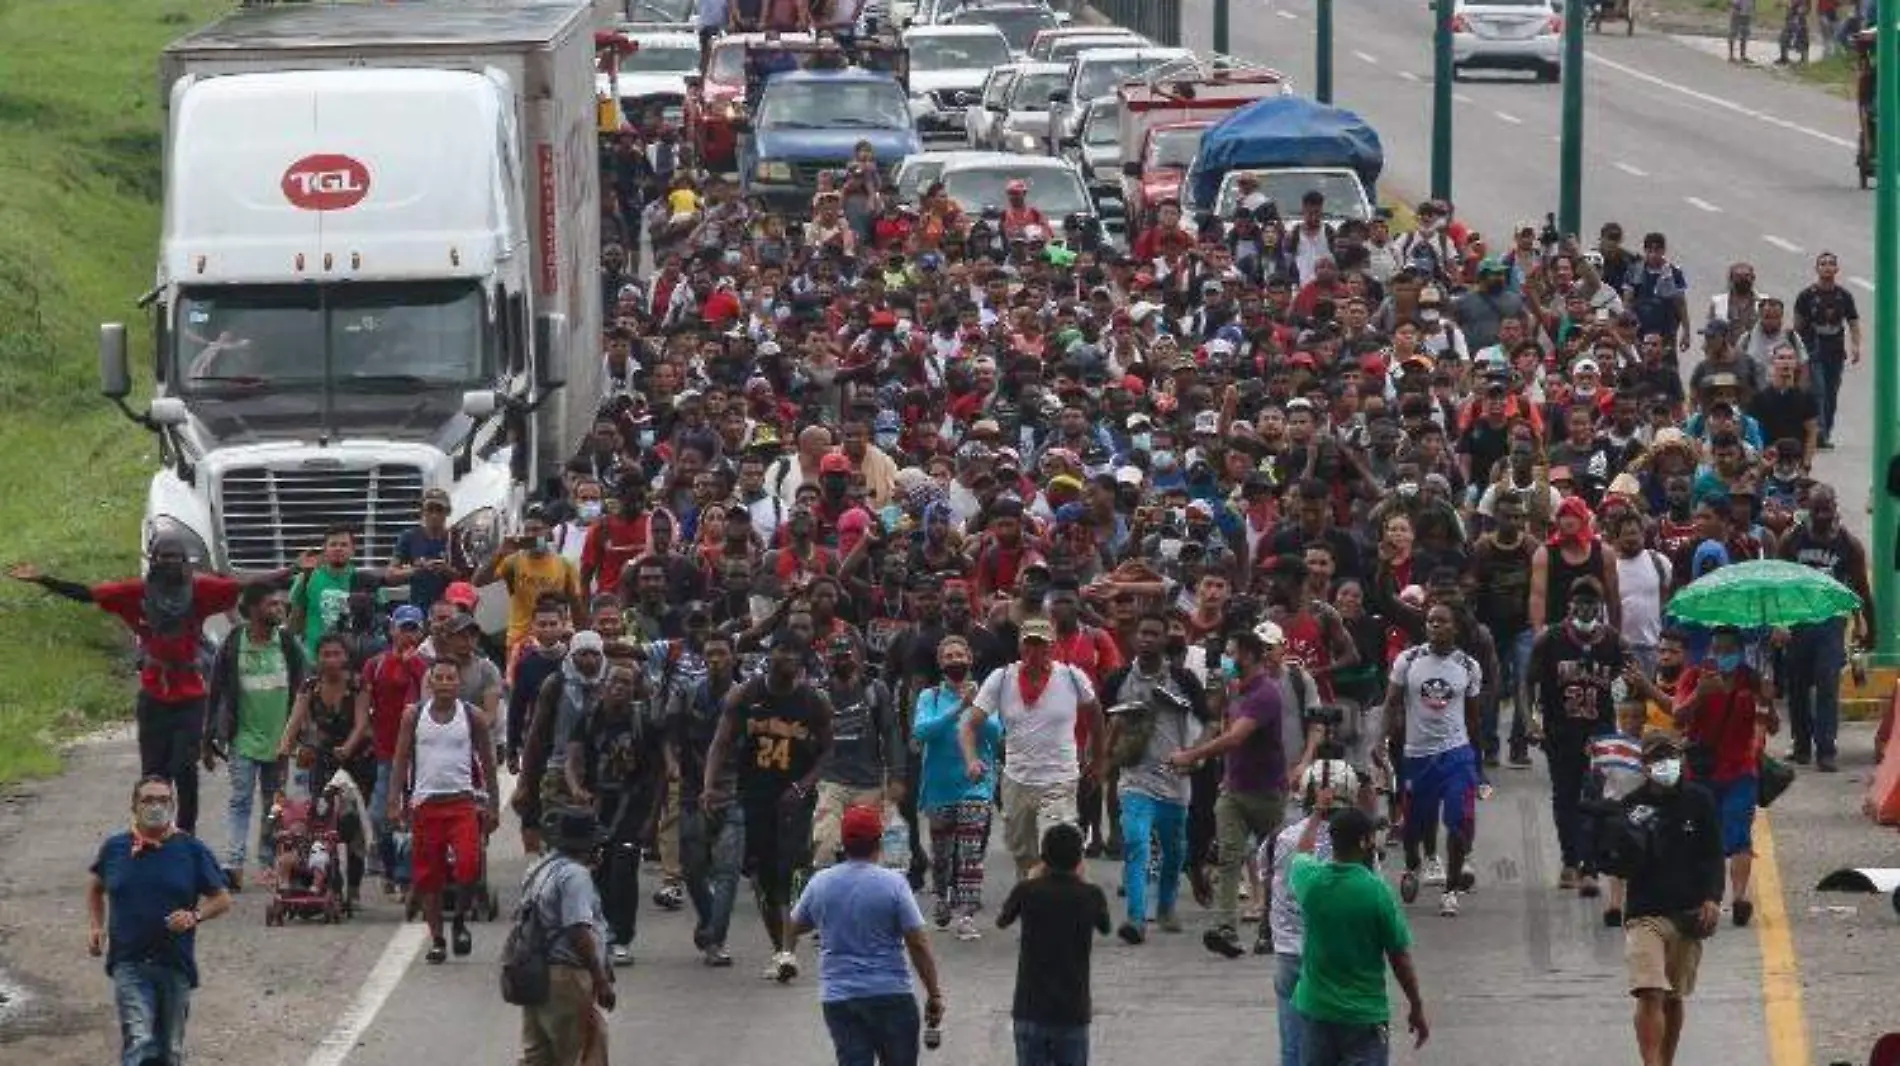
{"x": 378, "y": 273}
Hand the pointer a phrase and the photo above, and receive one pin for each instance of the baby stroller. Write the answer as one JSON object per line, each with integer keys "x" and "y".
{"x": 312, "y": 857}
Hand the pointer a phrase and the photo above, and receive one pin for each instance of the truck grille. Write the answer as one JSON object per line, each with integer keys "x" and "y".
{"x": 272, "y": 516}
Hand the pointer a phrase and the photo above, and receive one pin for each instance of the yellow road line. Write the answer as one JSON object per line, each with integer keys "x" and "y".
{"x": 1780, "y": 972}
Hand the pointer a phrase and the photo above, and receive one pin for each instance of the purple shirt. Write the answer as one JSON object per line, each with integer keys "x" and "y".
{"x": 1259, "y": 764}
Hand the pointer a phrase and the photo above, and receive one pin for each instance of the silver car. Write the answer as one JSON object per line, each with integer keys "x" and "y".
{"x": 948, "y": 66}
{"x": 1097, "y": 148}
{"x": 1508, "y": 35}
{"x": 1026, "y": 110}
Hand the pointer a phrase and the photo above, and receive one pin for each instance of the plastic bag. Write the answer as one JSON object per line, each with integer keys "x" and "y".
{"x": 896, "y": 843}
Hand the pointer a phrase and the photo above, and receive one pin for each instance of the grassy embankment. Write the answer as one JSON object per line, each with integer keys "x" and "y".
{"x": 79, "y": 216}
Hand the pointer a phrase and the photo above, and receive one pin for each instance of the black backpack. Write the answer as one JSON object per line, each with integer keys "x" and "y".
{"x": 524, "y": 955}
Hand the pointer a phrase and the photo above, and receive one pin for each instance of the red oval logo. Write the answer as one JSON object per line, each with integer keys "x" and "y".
{"x": 326, "y": 182}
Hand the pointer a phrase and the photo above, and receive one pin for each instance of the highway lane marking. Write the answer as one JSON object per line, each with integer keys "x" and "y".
{"x": 1506, "y": 116}
{"x": 1632, "y": 171}
{"x": 1462, "y": 98}
{"x": 371, "y": 997}
{"x": 1861, "y": 283}
{"x": 1728, "y": 105}
{"x": 1700, "y": 204}
{"x": 1780, "y": 971}
{"x": 1410, "y": 76}
{"x": 1366, "y": 57}
{"x": 1284, "y": 13}
{"x": 1782, "y": 243}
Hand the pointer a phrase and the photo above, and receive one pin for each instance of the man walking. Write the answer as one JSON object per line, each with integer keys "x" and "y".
{"x": 869, "y": 921}
{"x": 868, "y": 748}
{"x": 712, "y": 843}
{"x": 258, "y": 669}
{"x": 152, "y": 886}
{"x": 1061, "y": 915}
{"x": 568, "y": 1029}
{"x": 1817, "y": 652}
{"x": 1828, "y": 324}
{"x": 1574, "y": 664}
{"x": 1431, "y": 711}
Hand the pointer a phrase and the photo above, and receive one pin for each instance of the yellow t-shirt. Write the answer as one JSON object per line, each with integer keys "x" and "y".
{"x": 683, "y": 202}
{"x": 528, "y": 579}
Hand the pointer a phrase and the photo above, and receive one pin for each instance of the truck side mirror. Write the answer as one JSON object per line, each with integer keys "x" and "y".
{"x": 479, "y": 403}
{"x": 1132, "y": 168}
{"x": 550, "y": 344}
{"x": 115, "y": 375}
{"x": 168, "y": 411}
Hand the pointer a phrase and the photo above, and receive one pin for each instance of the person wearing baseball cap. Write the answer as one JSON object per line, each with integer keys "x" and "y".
{"x": 426, "y": 555}
{"x": 869, "y": 754}
{"x": 864, "y": 984}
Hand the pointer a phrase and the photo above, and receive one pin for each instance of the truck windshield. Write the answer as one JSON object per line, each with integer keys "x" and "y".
{"x": 388, "y": 337}
{"x": 961, "y": 52}
{"x": 656, "y": 58}
{"x": 830, "y": 104}
{"x": 1175, "y": 148}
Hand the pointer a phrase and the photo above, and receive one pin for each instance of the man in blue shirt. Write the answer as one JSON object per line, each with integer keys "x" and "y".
{"x": 867, "y": 921}
{"x": 161, "y": 884}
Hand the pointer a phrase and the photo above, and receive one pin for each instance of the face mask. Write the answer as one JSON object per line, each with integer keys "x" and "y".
{"x": 956, "y": 672}
{"x": 153, "y": 817}
{"x": 646, "y": 438}
{"x": 589, "y": 510}
{"x": 1163, "y": 460}
{"x": 1143, "y": 441}
{"x": 540, "y": 546}
{"x": 1408, "y": 488}
{"x": 887, "y": 442}
{"x": 1230, "y": 669}
{"x": 1728, "y": 663}
{"x": 1666, "y": 773}
{"x": 1586, "y": 622}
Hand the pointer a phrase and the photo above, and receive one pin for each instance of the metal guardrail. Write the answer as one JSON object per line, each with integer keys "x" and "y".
{"x": 1158, "y": 20}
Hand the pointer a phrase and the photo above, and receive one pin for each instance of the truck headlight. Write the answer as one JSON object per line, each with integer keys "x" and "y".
{"x": 479, "y": 534}
{"x": 734, "y": 111}
{"x": 196, "y": 551}
{"x": 1026, "y": 142}
{"x": 774, "y": 170}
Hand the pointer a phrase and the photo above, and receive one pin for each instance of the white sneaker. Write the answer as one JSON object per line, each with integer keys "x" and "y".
{"x": 622, "y": 954}
{"x": 966, "y": 929}
{"x": 1434, "y": 871}
{"x": 1448, "y": 905}
{"x": 786, "y": 965}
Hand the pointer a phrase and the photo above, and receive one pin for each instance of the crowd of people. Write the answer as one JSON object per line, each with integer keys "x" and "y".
{"x": 905, "y": 526}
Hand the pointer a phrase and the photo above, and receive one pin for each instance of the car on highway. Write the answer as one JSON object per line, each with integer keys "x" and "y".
{"x": 806, "y": 122}
{"x": 1508, "y": 35}
{"x": 977, "y": 181}
{"x": 948, "y": 65}
{"x": 981, "y": 122}
{"x": 1021, "y": 122}
{"x": 1069, "y": 47}
{"x": 1099, "y": 72}
{"x": 654, "y": 74}
{"x": 715, "y": 101}
{"x": 1286, "y": 186}
{"x": 1045, "y": 44}
{"x": 916, "y": 172}
{"x": 1096, "y": 149}
{"x": 1019, "y": 22}
{"x": 1156, "y": 168}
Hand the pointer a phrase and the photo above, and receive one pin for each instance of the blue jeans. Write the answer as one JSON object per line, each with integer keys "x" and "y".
{"x": 1143, "y": 815}
{"x": 1517, "y": 665}
{"x": 875, "y": 1030}
{"x": 1284, "y": 979}
{"x": 395, "y": 863}
{"x": 711, "y": 867}
{"x": 153, "y": 1002}
{"x": 1824, "y": 380}
{"x": 249, "y": 777}
{"x": 1342, "y": 1044}
{"x": 1814, "y": 659}
{"x": 1038, "y": 1044}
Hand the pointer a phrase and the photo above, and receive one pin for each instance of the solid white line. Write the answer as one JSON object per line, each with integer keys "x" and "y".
{"x": 1634, "y": 172}
{"x": 1462, "y": 98}
{"x": 1366, "y": 57}
{"x": 1409, "y": 76}
{"x": 370, "y": 998}
{"x": 1700, "y": 204}
{"x": 1505, "y": 116}
{"x": 1716, "y": 101}
{"x": 1861, "y": 283}
{"x": 1782, "y": 243}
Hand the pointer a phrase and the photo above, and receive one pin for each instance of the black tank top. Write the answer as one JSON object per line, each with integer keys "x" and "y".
{"x": 777, "y": 743}
{"x": 1562, "y": 575}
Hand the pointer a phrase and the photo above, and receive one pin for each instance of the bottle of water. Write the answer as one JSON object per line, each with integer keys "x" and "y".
{"x": 933, "y": 1037}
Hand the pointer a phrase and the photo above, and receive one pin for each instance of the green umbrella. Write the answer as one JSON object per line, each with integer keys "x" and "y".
{"x": 1763, "y": 592}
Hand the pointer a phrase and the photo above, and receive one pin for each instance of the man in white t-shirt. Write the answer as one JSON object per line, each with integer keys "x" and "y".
{"x": 1643, "y": 579}
{"x": 1432, "y": 706}
{"x": 1040, "y": 702}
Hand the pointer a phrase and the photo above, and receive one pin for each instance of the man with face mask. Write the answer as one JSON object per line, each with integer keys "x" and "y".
{"x": 1674, "y": 893}
{"x": 617, "y": 766}
{"x": 867, "y": 763}
{"x": 151, "y": 887}
{"x": 1573, "y": 665}
{"x": 563, "y": 702}
{"x": 1817, "y": 652}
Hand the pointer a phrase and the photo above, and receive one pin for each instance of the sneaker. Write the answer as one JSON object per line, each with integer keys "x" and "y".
{"x": 1224, "y": 942}
{"x": 464, "y": 943}
{"x": 234, "y": 877}
{"x": 785, "y": 966}
{"x": 1800, "y": 756}
{"x": 670, "y": 896}
{"x": 1520, "y": 754}
{"x": 1448, "y": 905}
{"x": 1263, "y": 945}
{"x": 1131, "y": 933}
{"x": 621, "y": 954}
{"x": 438, "y": 952}
{"x": 967, "y": 930}
{"x": 1742, "y": 912}
{"x": 1825, "y": 764}
{"x": 1434, "y": 871}
{"x": 1613, "y": 918}
{"x": 1567, "y": 880}
{"x": 1169, "y": 922}
{"x": 1491, "y": 759}
{"x": 1587, "y": 888}
{"x": 1408, "y": 886}
{"x": 940, "y": 915}
{"x": 716, "y": 956}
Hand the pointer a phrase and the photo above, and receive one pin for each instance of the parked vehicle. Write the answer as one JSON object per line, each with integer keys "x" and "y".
{"x": 652, "y": 76}
{"x": 810, "y": 105}
{"x": 1096, "y": 149}
{"x": 715, "y": 101}
{"x": 1314, "y": 142}
{"x": 978, "y": 180}
{"x": 1508, "y": 35}
{"x": 1183, "y": 98}
{"x": 1099, "y": 72}
{"x": 1019, "y": 22}
{"x": 982, "y": 122}
{"x": 948, "y": 65}
{"x": 338, "y": 326}
{"x": 1044, "y": 44}
{"x": 1023, "y": 123}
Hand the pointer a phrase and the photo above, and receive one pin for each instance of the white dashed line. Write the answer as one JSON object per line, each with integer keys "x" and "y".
{"x": 1634, "y": 172}
{"x": 1284, "y": 13}
{"x": 1366, "y": 57}
{"x": 1506, "y": 116}
{"x": 1861, "y": 283}
{"x": 1716, "y": 101}
{"x": 1410, "y": 76}
{"x": 1700, "y": 204}
{"x": 1462, "y": 98}
{"x": 1782, "y": 243}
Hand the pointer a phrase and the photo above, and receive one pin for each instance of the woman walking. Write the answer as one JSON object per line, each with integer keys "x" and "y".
{"x": 957, "y": 807}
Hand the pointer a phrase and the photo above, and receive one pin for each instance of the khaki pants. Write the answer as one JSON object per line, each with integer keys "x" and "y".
{"x": 827, "y": 820}
{"x": 1239, "y": 816}
{"x": 1660, "y": 958}
{"x": 1030, "y": 811}
{"x": 567, "y": 1030}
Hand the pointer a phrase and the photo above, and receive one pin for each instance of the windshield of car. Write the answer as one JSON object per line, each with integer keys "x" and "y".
{"x": 1345, "y": 197}
{"x": 1063, "y": 48}
{"x": 1175, "y": 148}
{"x": 829, "y": 104}
{"x": 1032, "y": 91}
{"x": 915, "y": 176}
{"x": 727, "y": 66}
{"x": 1019, "y": 25}
{"x": 957, "y": 53}
{"x": 1101, "y": 78}
{"x": 1056, "y": 193}
{"x": 299, "y": 336}
{"x": 1104, "y": 124}
{"x": 656, "y": 58}
{"x": 1543, "y": 4}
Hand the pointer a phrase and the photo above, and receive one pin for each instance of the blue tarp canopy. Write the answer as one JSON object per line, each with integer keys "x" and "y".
{"x": 1285, "y": 131}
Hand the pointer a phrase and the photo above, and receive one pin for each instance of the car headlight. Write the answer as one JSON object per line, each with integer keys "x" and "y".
{"x": 1026, "y": 142}
{"x": 197, "y": 552}
{"x": 479, "y": 534}
{"x": 734, "y": 110}
{"x": 772, "y": 170}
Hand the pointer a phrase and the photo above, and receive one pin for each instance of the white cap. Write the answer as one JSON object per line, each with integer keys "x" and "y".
{"x": 1129, "y": 475}
{"x": 1141, "y": 310}
{"x": 587, "y": 640}
{"x": 1270, "y": 633}
{"x": 1336, "y": 774}
{"x": 1207, "y": 422}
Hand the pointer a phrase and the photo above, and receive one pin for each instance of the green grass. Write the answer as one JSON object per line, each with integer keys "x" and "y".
{"x": 79, "y": 216}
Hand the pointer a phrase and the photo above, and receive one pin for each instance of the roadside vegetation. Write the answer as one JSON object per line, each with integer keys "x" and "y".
{"x": 79, "y": 217}
{"x": 1709, "y": 18}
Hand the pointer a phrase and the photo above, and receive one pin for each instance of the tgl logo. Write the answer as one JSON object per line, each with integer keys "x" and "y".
{"x": 327, "y": 182}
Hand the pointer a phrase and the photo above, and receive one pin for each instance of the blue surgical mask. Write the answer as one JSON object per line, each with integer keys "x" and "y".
{"x": 1143, "y": 441}
{"x": 1230, "y": 669}
{"x": 1163, "y": 459}
{"x": 589, "y": 510}
{"x": 1729, "y": 662}
{"x": 647, "y": 438}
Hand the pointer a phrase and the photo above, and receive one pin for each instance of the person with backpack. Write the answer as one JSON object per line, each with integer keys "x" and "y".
{"x": 617, "y": 764}
{"x": 868, "y": 748}
{"x": 254, "y": 680}
{"x": 554, "y": 964}
{"x": 394, "y": 679}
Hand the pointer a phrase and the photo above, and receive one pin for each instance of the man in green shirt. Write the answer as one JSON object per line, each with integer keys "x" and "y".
{"x": 259, "y": 668}
{"x": 320, "y": 595}
{"x": 1353, "y": 930}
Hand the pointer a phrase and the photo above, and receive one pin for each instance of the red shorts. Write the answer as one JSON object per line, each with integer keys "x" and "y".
{"x": 440, "y": 828}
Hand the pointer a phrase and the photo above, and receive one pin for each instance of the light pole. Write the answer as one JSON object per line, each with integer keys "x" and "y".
{"x": 1441, "y": 101}
{"x": 1570, "y": 161}
{"x": 1323, "y": 61}
{"x": 1886, "y": 320}
{"x": 1221, "y": 20}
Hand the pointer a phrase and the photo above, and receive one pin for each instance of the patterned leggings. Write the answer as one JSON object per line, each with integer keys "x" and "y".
{"x": 959, "y": 835}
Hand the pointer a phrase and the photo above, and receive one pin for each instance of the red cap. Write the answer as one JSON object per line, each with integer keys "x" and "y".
{"x": 835, "y": 463}
{"x": 1017, "y": 185}
{"x": 883, "y": 320}
{"x": 861, "y": 825}
{"x": 1372, "y": 364}
{"x": 461, "y": 594}
{"x": 1134, "y": 386}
